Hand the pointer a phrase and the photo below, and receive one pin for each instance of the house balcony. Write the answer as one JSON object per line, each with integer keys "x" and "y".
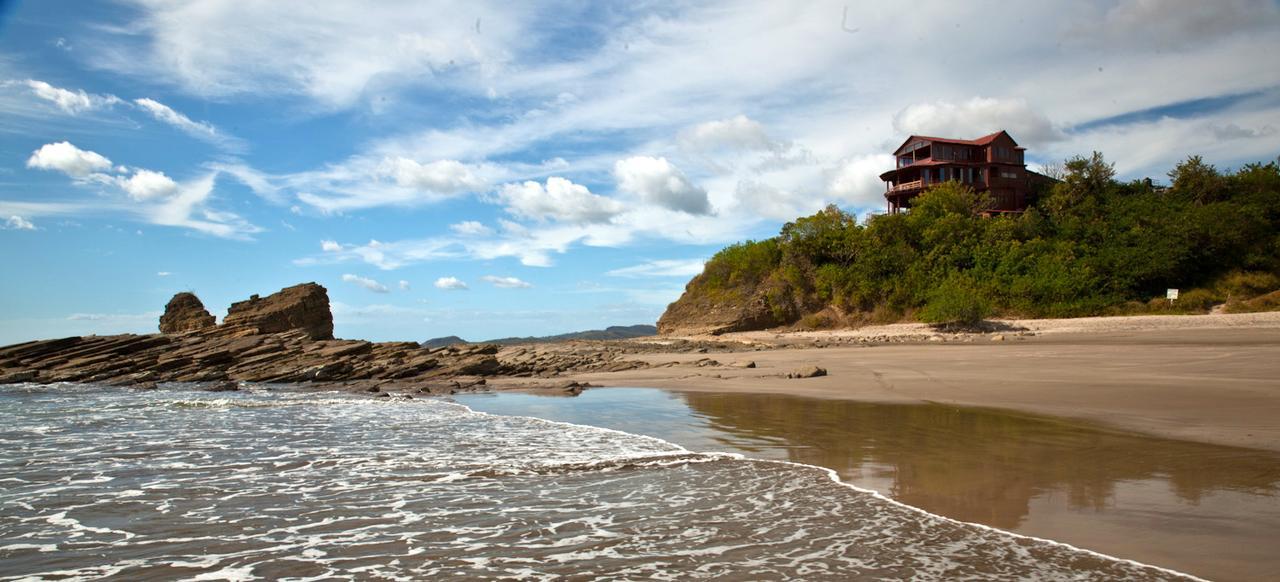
{"x": 907, "y": 186}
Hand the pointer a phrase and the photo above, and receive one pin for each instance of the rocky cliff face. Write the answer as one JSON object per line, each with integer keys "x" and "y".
{"x": 698, "y": 311}
{"x": 185, "y": 313}
{"x": 302, "y": 307}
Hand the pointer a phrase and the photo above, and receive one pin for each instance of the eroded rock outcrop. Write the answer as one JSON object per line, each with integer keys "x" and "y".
{"x": 703, "y": 311}
{"x": 302, "y": 307}
{"x": 287, "y": 338}
{"x": 184, "y": 313}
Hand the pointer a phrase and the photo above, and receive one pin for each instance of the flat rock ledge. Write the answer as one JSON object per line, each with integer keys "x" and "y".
{"x": 287, "y": 338}
{"x": 212, "y": 356}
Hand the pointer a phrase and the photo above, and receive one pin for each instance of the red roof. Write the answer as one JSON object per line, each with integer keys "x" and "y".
{"x": 984, "y": 140}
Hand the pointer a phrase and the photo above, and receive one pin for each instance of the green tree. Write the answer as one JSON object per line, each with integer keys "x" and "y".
{"x": 1197, "y": 181}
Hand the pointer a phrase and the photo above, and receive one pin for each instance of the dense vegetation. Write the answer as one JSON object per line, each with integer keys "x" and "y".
{"x": 1089, "y": 245}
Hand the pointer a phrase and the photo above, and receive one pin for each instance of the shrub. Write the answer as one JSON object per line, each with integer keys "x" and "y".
{"x": 1247, "y": 284}
{"x": 883, "y": 313}
{"x": 1268, "y": 302}
{"x": 819, "y": 320}
{"x": 742, "y": 265}
{"x": 959, "y": 301}
{"x": 1201, "y": 300}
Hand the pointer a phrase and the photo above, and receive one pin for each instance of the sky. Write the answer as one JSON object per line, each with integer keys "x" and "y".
{"x": 489, "y": 169}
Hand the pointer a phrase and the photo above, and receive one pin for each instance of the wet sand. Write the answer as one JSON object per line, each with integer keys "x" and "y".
{"x": 1212, "y": 379}
{"x": 1204, "y": 509}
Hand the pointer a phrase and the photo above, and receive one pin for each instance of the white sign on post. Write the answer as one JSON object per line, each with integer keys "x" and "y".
{"x": 1172, "y": 294}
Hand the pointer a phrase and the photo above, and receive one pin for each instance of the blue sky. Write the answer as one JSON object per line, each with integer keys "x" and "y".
{"x": 481, "y": 169}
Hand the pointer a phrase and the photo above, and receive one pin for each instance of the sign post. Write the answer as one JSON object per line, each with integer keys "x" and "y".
{"x": 1172, "y": 295}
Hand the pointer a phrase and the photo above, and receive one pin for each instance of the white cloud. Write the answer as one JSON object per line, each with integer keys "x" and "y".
{"x": 445, "y": 177}
{"x": 975, "y": 118}
{"x": 149, "y": 185}
{"x": 335, "y": 55}
{"x": 1180, "y": 24}
{"x": 260, "y": 183}
{"x": 329, "y": 246}
{"x": 470, "y": 228}
{"x": 68, "y": 159}
{"x": 736, "y": 133}
{"x": 661, "y": 268}
{"x": 362, "y": 182}
{"x": 657, "y": 181}
{"x": 72, "y": 102}
{"x": 189, "y": 208}
{"x": 201, "y": 130}
{"x": 16, "y": 222}
{"x": 450, "y": 283}
{"x": 404, "y": 285}
{"x": 163, "y": 274}
{"x": 366, "y": 282}
{"x": 560, "y": 200}
{"x": 506, "y": 282}
{"x": 856, "y": 181}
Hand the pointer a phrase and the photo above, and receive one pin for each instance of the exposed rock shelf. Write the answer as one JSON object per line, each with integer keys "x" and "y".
{"x": 285, "y": 338}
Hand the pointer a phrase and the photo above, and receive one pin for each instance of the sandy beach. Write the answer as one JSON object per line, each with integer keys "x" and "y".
{"x": 1208, "y": 378}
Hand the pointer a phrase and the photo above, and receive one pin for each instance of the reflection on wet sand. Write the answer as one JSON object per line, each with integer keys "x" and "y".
{"x": 1206, "y": 509}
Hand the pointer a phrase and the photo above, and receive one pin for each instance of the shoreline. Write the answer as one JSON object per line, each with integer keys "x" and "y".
{"x": 1209, "y": 378}
{"x": 1205, "y": 378}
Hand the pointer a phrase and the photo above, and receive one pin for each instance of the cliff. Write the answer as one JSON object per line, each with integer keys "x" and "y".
{"x": 701, "y": 310}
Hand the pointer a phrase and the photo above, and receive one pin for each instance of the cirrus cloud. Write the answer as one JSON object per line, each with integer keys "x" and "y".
{"x": 506, "y": 282}
{"x": 71, "y": 102}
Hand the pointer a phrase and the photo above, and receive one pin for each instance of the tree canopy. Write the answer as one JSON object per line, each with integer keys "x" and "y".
{"x": 1089, "y": 245}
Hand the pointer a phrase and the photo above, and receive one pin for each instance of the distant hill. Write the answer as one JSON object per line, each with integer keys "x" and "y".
{"x": 612, "y": 332}
{"x": 441, "y": 342}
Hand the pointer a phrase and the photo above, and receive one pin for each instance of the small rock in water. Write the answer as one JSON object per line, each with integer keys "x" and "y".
{"x": 227, "y": 386}
{"x": 809, "y": 372}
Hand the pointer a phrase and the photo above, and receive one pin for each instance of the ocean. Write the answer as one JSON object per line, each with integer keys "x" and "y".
{"x": 284, "y": 483}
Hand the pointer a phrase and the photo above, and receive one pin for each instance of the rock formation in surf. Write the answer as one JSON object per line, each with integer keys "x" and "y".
{"x": 287, "y": 337}
{"x": 184, "y": 313}
{"x": 302, "y": 307}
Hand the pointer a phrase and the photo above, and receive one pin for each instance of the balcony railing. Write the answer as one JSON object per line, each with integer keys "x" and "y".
{"x": 913, "y": 185}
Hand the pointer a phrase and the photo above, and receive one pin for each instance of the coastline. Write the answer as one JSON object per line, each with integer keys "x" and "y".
{"x": 1205, "y": 378}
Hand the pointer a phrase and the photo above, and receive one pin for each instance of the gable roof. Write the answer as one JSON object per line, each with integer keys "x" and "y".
{"x": 982, "y": 141}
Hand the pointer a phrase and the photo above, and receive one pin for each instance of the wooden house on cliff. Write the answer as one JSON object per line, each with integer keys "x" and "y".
{"x": 992, "y": 163}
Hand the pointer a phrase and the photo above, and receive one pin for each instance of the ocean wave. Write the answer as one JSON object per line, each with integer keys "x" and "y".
{"x": 333, "y": 485}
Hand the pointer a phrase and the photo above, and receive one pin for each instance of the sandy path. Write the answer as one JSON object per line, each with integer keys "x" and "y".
{"x": 1212, "y": 378}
